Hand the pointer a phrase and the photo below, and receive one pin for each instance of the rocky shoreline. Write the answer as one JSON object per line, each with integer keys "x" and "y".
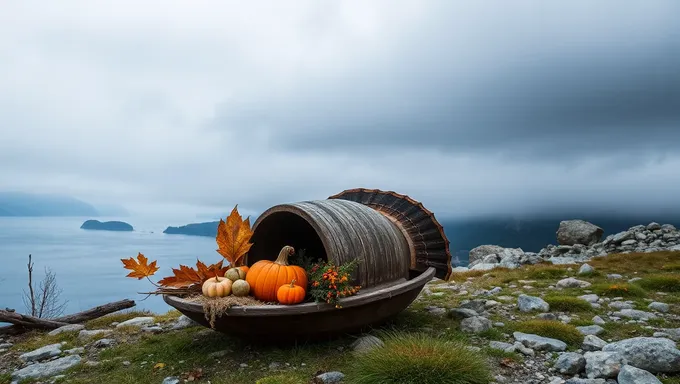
{"x": 578, "y": 242}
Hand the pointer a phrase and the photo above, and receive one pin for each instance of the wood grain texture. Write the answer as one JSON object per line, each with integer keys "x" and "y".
{"x": 429, "y": 244}
{"x": 308, "y": 321}
{"x": 335, "y": 230}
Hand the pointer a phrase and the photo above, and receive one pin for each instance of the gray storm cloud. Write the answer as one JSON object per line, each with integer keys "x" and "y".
{"x": 473, "y": 109}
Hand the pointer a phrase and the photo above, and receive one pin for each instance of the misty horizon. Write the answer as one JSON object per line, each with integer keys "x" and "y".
{"x": 521, "y": 110}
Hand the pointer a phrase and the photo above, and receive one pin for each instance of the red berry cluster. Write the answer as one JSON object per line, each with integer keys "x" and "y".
{"x": 329, "y": 282}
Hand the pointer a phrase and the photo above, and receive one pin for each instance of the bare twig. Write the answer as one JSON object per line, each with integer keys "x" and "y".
{"x": 47, "y": 304}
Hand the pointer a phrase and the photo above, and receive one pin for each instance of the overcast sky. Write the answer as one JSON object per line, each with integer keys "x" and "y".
{"x": 473, "y": 108}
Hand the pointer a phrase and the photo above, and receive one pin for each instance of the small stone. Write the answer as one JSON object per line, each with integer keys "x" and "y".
{"x": 590, "y": 330}
{"x": 585, "y": 269}
{"x": 48, "y": 369}
{"x": 499, "y": 345}
{"x": 540, "y": 343}
{"x": 92, "y": 363}
{"x": 570, "y": 363}
{"x": 220, "y": 353}
{"x": 659, "y": 307}
{"x": 592, "y": 343}
{"x": 171, "y": 380}
{"x": 475, "y": 324}
{"x": 152, "y": 329}
{"x": 603, "y": 365}
{"x": 632, "y": 375}
{"x": 75, "y": 351}
{"x": 635, "y": 314}
{"x": 528, "y": 303}
{"x": 591, "y": 298}
{"x": 84, "y": 334}
{"x": 183, "y": 322}
{"x": 614, "y": 276}
{"x": 42, "y": 353}
{"x": 126, "y": 363}
{"x": 67, "y": 328}
{"x": 104, "y": 343}
{"x": 570, "y": 282}
{"x": 366, "y": 343}
{"x": 598, "y": 320}
{"x": 521, "y": 348}
{"x": 137, "y": 322}
{"x": 437, "y": 311}
{"x": 331, "y": 377}
{"x": 620, "y": 305}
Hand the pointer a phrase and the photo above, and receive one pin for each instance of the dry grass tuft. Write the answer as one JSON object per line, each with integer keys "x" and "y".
{"x": 214, "y": 307}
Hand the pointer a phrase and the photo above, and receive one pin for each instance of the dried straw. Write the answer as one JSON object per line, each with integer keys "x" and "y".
{"x": 214, "y": 307}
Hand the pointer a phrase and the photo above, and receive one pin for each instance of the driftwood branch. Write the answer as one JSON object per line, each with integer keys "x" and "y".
{"x": 22, "y": 323}
{"x": 29, "y": 321}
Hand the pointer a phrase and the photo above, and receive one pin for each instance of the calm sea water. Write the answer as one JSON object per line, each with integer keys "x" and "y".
{"x": 87, "y": 263}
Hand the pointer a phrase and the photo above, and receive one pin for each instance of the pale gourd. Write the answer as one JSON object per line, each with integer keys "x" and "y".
{"x": 217, "y": 287}
{"x": 235, "y": 274}
{"x": 240, "y": 288}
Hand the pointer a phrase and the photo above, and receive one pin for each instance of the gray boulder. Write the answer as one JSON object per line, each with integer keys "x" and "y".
{"x": 475, "y": 324}
{"x": 540, "y": 343}
{"x": 479, "y": 253}
{"x": 659, "y": 307}
{"x": 632, "y": 375}
{"x": 42, "y": 353}
{"x": 570, "y": 363}
{"x": 571, "y": 232}
{"x": 603, "y": 365}
{"x": 592, "y": 343}
{"x": 656, "y": 355}
{"x": 366, "y": 343}
{"x": 585, "y": 269}
{"x": 570, "y": 282}
{"x": 528, "y": 303}
{"x": 48, "y": 369}
{"x": 136, "y": 322}
{"x": 635, "y": 314}
{"x": 67, "y": 328}
{"x": 462, "y": 313}
{"x": 331, "y": 377}
{"x": 590, "y": 330}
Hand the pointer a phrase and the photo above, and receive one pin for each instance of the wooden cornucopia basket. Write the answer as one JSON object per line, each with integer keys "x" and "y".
{"x": 400, "y": 242}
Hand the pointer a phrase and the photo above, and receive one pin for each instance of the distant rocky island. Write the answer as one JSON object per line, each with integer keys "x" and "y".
{"x": 22, "y": 204}
{"x": 107, "y": 226}
{"x": 208, "y": 229}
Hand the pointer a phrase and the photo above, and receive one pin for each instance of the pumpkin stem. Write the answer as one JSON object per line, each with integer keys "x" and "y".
{"x": 292, "y": 283}
{"x": 283, "y": 255}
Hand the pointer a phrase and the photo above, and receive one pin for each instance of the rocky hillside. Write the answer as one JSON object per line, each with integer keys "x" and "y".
{"x": 544, "y": 318}
{"x": 578, "y": 241}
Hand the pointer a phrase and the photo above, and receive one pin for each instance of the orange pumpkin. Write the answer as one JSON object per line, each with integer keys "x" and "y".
{"x": 290, "y": 293}
{"x": 266, "y": 276}
{"x": 244, "y": 268}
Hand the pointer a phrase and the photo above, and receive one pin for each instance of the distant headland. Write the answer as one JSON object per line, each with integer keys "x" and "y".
{"x": 107, "y": 226}
{"x": 208, "y": 229}
{"x": 22, "y": 204}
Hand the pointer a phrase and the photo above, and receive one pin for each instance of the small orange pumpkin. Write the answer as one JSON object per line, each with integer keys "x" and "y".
{"x": 290, "y": 293}
{"x": 244, "y": 268}
{"x": 266, "y": 276}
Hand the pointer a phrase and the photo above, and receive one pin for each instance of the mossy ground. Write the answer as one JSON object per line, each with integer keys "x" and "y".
{"x": 223, "y": 359}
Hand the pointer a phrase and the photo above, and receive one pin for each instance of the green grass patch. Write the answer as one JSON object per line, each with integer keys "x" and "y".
{"x": 552, "y": 329}
{"x": 671, "y": 267}
{"x": 492, "y": 334}
{"x": 417, "y": 358}
{"x": 283, "y": 378}
{"x": 568, "y": 304}
{"x": 5, "y": 378}
{"x": 37, "y": 339}
{"x": 545, "y": 273}
{"x": 498, "y": 354}
{"x": 618, "y": 290}
{"x": 669, "y": 379}
{"x": 640, "y": 263}
{"x": 663, "y": 283}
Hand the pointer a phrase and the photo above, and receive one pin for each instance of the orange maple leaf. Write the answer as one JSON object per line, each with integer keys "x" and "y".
{"x": 140, "y": 267}
{"x": 206, "y": 272}
{"x": 233, "y": 237}
{"x": 187, "y": 276}
{"x": 182, "y": 277}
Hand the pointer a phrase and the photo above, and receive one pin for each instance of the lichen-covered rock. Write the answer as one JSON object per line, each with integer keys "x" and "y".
{"x": 632, "y": 375}
{"x": 462, "y": 313}
{"x": 570, "y": 282}
{"x": 656, "y": 355}
{"x": 67, "y": 328}
{"x": 366, "y": 343}
{"x": 136, "y": 322}
{"x": 475, "y": 324}
{"x": 603, "y": 365}
{"x": 47, "y": 369}
{"x": 540, "y": 343}
{"x": 585, "y": 269}
{"x": 590, "y": 330}
{"x": 592, "y": 343}
{"x": 570, "y": 363}
{"x": 659, "y": 307}
{"x": 42, "y": 353}
{"x": 479, "y": 253}
{"x": 635, "y": 314}
{"x": 528, "y": 303}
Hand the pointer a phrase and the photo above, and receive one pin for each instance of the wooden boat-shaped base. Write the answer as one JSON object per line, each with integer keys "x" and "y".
{"x": 311, "y": 321}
